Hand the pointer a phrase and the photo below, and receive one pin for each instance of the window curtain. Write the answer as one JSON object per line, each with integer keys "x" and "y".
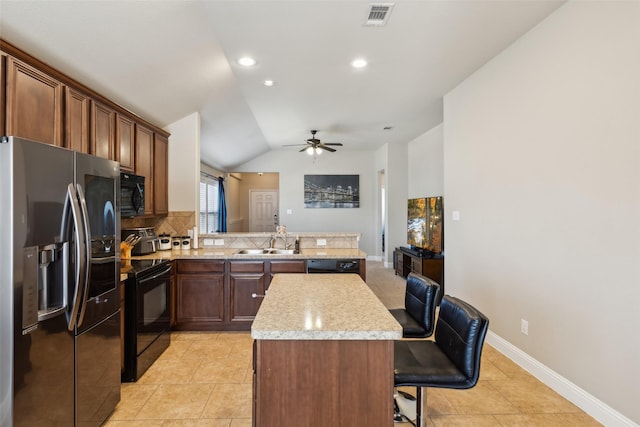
{"x": 222, "y": 207}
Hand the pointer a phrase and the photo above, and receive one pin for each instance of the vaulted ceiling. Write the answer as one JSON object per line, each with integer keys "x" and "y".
{"x": 167, "y": 59}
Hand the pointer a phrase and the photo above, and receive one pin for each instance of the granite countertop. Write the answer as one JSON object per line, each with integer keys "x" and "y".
{"x": 230, "y": 253}
{"x": 323, "y": 307}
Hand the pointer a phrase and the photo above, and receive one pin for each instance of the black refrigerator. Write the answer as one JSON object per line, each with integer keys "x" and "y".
{"x": 59, "y": 279}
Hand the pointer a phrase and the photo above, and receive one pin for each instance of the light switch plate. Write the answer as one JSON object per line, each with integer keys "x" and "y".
{"x": 219, "y": 242}
{"x": 321, "y": 242}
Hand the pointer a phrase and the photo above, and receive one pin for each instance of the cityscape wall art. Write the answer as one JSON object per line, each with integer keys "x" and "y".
{"x": 332, "y": 191}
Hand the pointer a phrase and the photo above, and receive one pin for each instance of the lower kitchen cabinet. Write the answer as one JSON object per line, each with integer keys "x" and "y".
{"x": 200, "y": 294}
{"x": 247, "y": 283}
{"x": 219, "y": 295}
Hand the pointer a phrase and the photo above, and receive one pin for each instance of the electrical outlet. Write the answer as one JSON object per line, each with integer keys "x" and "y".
{"x": 524, "y": 327}
{"x": 321, "y": 242}
{"x": 218, "y": 242}
{"x": 207, "y": 242}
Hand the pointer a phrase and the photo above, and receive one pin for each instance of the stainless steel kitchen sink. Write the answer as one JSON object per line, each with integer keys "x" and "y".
{"x": 264, "y": 252}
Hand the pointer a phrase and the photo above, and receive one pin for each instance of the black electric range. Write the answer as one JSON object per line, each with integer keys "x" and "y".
{"x": 147, "y": 317}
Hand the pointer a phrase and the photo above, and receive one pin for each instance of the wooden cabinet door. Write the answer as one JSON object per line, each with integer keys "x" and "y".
{"x": 125, "y": 143}
{"x": 200, "y": 300}
{"x": 76, "y": 120}
{"x": 144, "y": 164}
{"x": 3, "y": 85}
{"x": 103, "y": 134}
{"x": 34, "y": 104}
{"x": 160, "y": 175}
{"x": 247, "y": 284}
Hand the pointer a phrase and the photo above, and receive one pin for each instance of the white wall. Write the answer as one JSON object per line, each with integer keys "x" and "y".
{"x": 292, "y": 167}
{"x": 425, "y": 168}
{"x": 542, "y": 159}
{"x": 184, "y": 164}
{"x": 396, "y": 175}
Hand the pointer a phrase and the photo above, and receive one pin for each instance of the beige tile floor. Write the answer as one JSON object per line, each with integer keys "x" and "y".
{"x": 204, "y": 379}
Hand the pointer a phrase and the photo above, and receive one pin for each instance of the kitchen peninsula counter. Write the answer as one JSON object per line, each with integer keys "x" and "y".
{"x": 230, "y": 253}
{"x": 323, "y": 353}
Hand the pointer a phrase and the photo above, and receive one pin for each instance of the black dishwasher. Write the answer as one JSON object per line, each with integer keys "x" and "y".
{"x": 315, "y": 266}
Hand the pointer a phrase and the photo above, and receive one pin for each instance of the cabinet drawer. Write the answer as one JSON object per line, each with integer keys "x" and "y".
{"x": 246, "y": 266}
{"x": 288, "y": 266}
{"x": 199, "y": 266}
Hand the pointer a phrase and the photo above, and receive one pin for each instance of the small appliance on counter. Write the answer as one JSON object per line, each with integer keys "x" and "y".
{"x": 148, "y": 242}
{"x": 164, "y": 242}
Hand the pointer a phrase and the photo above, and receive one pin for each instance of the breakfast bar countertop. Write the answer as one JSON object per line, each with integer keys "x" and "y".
{"x": 323, "y": 307}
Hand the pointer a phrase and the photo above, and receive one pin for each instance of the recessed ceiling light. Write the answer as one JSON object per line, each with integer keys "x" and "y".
{"x": 247, "y": 61}
{"x": 269, "y": 83}
{"x": 359, "y": 63}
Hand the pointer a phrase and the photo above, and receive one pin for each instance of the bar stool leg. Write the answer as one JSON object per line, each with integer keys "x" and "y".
{"x": 419, "y": 407}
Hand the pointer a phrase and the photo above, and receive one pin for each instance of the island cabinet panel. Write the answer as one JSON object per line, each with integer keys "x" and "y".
{"x": 321, "y": 383}
{"x": 34, "y": 104}
{"x": 76, "y": 120}
{"x": 200, "y": 294}
{"x": 247, "y": 284}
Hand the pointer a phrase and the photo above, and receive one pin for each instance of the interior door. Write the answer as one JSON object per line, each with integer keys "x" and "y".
{"x": 263, "y": 210}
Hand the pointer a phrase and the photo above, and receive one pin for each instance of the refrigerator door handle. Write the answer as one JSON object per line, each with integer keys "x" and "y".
{"x": 87, "y": 253}
{"x": 71, "y": 207}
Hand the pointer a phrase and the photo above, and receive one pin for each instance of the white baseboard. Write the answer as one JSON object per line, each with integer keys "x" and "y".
{"x": 585, "y": 401}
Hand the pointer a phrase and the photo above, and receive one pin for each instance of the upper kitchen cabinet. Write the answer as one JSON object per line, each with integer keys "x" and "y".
{"x": 34, "y": 104}
{"x": 144, "y": 164}
{"x": 41, "y": 103}
{"x": 103, "y": 131}
{"x": 76, "y": 120}
{"x": 3, "y": 85}
{"x": 160, "y": 174}
{"x": 125, "y": 143}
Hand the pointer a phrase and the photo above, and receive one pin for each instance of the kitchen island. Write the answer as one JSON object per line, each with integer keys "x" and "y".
{"x": 323, "y": 353}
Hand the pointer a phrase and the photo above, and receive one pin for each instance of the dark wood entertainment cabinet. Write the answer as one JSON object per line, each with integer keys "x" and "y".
{"x": 406, "y": 261}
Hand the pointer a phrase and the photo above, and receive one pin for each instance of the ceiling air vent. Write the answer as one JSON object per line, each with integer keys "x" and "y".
{"x": 378, "y": 14}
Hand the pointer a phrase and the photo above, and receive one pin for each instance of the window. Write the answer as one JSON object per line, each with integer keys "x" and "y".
{"x": 209, "y": 206}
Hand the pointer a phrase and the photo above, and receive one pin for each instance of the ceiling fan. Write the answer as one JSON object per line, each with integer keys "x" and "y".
{"x": 315, "y": 146}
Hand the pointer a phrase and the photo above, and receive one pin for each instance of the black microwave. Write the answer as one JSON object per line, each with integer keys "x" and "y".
{"x": 131, "y": 195}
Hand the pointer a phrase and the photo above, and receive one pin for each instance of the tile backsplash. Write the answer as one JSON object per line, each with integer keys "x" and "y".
{"x": 175, "y": 223}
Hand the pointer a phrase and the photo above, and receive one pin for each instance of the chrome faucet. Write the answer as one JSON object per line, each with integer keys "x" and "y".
{"x": 275, "y": 237}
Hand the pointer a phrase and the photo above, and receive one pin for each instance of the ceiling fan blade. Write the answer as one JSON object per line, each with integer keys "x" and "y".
{"x": 339, "y": 144}
{"x": 294, "y": 145}
{"x": 324, "y": 147}
{"x": 304, "y": 149}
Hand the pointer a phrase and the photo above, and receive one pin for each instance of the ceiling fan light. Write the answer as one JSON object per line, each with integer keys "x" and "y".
{"x": 318, "y": 151}
{"x": 309, "y": 151}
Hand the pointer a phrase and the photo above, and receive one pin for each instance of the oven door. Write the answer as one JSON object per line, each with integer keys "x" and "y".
{"x": 152, "y": 307}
